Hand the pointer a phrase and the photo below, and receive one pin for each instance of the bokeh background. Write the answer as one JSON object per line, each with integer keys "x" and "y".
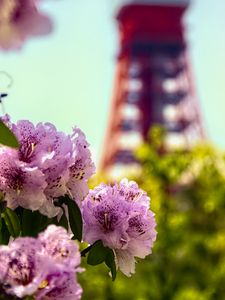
{"x": 67, "y": 78}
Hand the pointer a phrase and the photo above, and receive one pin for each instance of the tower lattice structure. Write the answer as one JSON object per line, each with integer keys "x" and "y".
{"x": 153, "y": 83}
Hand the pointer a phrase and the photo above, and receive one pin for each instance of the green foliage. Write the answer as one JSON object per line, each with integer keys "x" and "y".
{"x": 63, "y": 221}
{"x": 12, "y": 222}
{"x": 7, "y": 138}
{"x": 32, "y": 222}
{"x": 4, "y": 233}
{"x": 75, "y": 218}
{"x": 110, "y": 262}
{"x": 24, "y": 222}
{"x": 98, "y": 254}
{"x": 187, "y": 190}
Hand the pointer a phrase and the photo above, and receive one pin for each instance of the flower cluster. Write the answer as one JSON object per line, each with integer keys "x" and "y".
{"x": 47, "y": 165}
{"x": 119, "y": 215}
{"x": 44, "y": 267}
{"x": 20, "y": 19}
{"x": 48, "y": 173}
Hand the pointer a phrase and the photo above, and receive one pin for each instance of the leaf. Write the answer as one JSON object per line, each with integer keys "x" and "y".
{"x": 50, "y": 222}
{"x": 4, "y": 234}
{"x": 3, "y": 205}
{"x": 75, "y": 218}
{"x": 97, "y": 254}
{"x": 7, "y": 297}
{"x": 110, "y": 262}
{"x": 12, "y": 222}
{"x": 34, "y": 222}
{"x": 63, "y": 221}
{"x": 7, "y": 138}
{"x": 30, "y": 223}
{"x": 2, "y": 197}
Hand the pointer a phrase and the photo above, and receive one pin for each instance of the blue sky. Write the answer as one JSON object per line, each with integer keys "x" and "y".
{"x": 67, "y": 78}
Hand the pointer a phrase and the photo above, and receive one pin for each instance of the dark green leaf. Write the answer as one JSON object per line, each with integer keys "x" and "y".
{"x": 52, "y": 221}
{"x": 75, "y": 218}
{"x": 4, "y": 234}
{"x": 7, "y": 138}
{"x": 97, "y": 254}
{"x": 33, "y": 222}
{"x": 12, "y": 222}
{"x": 7, "y": 297}
{"x": 110, "y": 262}
{"x": 1, "y": 197}
{"x": 63, "y": 221}
{"x": 30, "y": 222}
{"x": 2, "y": 207}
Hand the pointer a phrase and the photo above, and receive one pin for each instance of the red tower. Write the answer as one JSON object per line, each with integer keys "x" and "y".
{"x": 153, "y": 81}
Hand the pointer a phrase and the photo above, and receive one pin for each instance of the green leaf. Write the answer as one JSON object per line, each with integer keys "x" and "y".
{"x": 7, "y": 138}
{"x": 7, "y": 297}
{"x": 63, "y": 221}
{"x": 75, "y": 218}
{"x": 51, "y": 221}
{"x": 110, "y": 262}
{"x": 30, "y": 223}
{"x": 12, "y": 222}
{"x": 3, "y": 205}
{"x": 1, "y": 197}
{"x": 97, "y": 254}
{"x": 4, "y": 234}
{"x": 34, "y": 222}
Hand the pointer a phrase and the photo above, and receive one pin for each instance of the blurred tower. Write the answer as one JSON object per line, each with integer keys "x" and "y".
{"x": 153, "y": 81}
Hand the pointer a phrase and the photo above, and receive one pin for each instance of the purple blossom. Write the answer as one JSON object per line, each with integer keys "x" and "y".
{"x": 56, "y": 243}
{"x": 20, "y": 19}
{"x": 61, "y": 285}
{"x": 82, "y": 167}
{"x": 22, "y": 267}
{"x": 62, "y": 161}
{"x": 22, "y": 185}
{"x": 119, "y": 215}
{"x": 42, "y": 267}
{"x": 61, "y": 280}
{"x": 52, "y": 154}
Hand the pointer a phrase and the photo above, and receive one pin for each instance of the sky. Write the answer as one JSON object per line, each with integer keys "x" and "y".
{"x": 67, "y": 77}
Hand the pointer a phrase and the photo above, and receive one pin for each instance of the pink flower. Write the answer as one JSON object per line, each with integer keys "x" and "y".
{"x": 119, "y": 215}
{"x": 56, "y": 243}
{"x": 48, "y": 163}
{"x": 82, "y": 167}
{"x": 44, "y": 267}
{"x": 22, "y": 185}
{"x": 19, "y": 20}
{"x": 22, "y": 267}
{"x": 62, "y": 285}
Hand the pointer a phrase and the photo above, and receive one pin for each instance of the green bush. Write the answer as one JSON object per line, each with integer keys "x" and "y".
{"x": 187, "y": 188}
